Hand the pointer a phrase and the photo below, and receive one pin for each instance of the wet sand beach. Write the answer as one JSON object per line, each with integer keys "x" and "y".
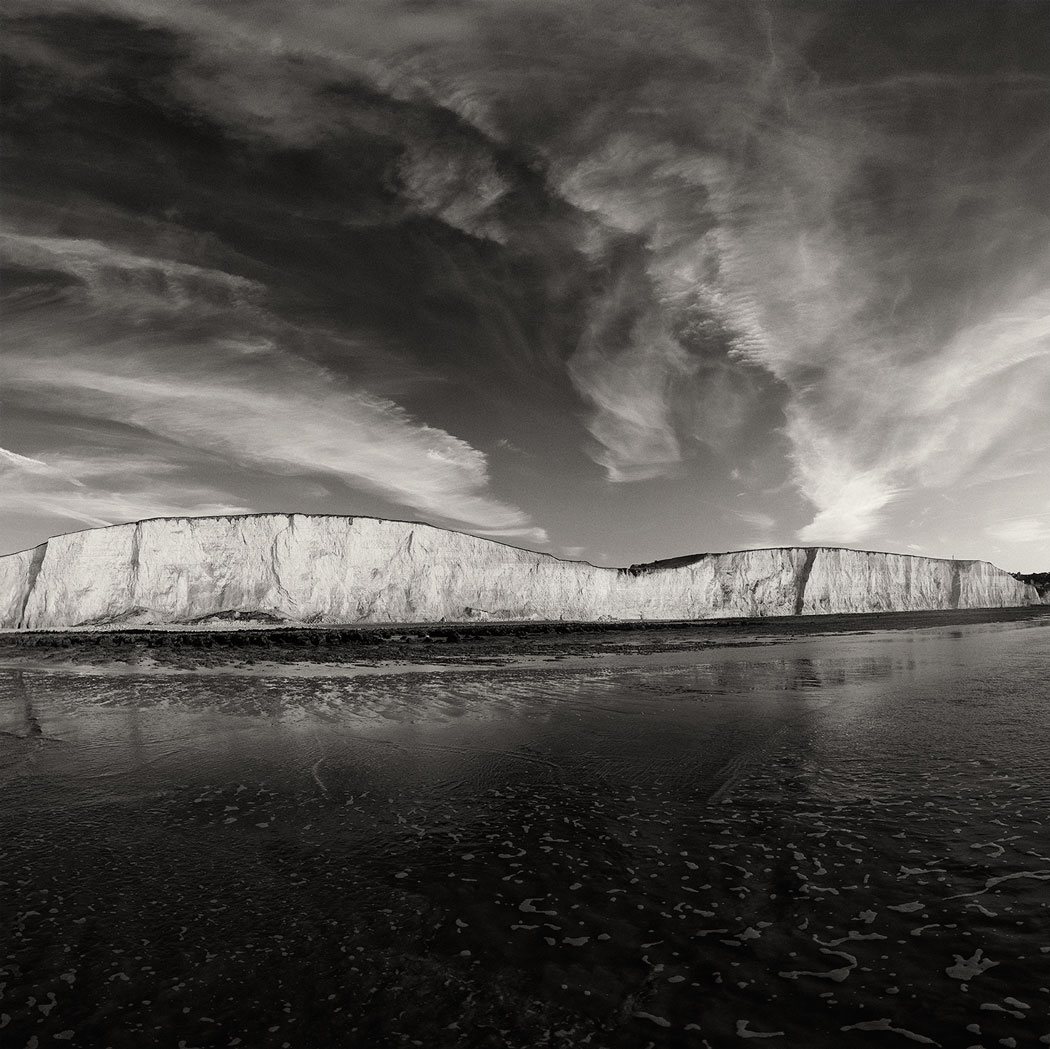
{"x": 819, "y": 834}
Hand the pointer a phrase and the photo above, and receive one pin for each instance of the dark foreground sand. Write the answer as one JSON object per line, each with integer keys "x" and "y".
{"x": 451, "y": 644}
{"x": 822, "y": 832}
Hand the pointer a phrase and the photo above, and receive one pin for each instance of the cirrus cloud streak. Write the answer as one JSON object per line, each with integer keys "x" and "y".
{"x": 228, "y": 390}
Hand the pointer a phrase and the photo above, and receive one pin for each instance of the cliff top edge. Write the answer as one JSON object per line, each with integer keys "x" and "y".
{"x": 661, "y": 564}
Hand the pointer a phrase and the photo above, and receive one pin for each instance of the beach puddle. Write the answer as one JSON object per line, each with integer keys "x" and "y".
{"x": 840, "y": 841}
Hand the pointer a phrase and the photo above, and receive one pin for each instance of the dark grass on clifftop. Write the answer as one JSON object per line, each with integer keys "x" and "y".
{"x": 1040, "y": 580}
{"x": 458, "y": 643}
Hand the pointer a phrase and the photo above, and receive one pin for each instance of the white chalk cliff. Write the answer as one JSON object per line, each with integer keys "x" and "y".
{"x": 303, "y": 568}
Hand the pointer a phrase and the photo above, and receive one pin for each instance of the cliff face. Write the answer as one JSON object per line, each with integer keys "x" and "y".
{"x": 302, "y": 568}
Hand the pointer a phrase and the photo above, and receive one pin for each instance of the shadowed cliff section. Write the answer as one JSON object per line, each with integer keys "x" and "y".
{"x": 1039, "y": 580}
{"x": 666, "y": 564}
{"x": 34, "y": 571}
{"x": 325, "y": 569}
{"x": 803, "y": 579}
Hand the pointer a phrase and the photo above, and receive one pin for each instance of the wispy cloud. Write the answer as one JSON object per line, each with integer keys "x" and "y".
{"x": 1025, "y": 530}
{"x": 95, "y": 491}
{"x": 933, "y": 420}
{"x": 625, "y": 367}
{"x": 759, "y": 521}
{"x": 231, "y": 392}
{"x": 847, "y": 233}
{"x": 119, "y": 279}
{"x": 713, "y": 224}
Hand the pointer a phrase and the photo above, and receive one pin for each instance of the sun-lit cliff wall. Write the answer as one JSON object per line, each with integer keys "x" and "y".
{"x": 326, "y": 569}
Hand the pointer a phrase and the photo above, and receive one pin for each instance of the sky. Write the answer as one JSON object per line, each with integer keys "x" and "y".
{"x": 611, "y": 280}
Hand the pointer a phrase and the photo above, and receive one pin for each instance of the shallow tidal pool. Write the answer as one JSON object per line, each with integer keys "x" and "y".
{"x": 830, "y": 842}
